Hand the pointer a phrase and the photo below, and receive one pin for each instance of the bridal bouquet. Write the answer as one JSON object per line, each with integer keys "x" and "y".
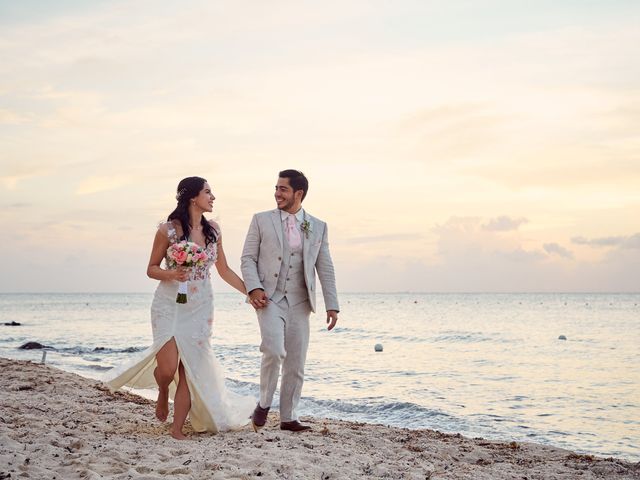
{"x": 185, "y": 254}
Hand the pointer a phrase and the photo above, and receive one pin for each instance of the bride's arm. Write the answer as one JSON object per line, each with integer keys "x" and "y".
{"x": 225, "y": 271}
{"x": 158, "y": 251}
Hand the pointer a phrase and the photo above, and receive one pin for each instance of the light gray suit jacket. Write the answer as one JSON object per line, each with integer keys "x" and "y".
{"x": 263, "y": 253}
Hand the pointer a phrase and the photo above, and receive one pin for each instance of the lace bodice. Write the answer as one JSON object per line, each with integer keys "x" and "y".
{"x": 196, "y": 273}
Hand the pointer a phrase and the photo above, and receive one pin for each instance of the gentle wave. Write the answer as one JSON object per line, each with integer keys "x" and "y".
{"x": 376, "y": 408}
{"x": 97, "y": 368}
{"x": 368, "y": 410}
{"x": 469, "y": 337}
{"x": 80, "y": 350}
{"x": 101, "y": 350}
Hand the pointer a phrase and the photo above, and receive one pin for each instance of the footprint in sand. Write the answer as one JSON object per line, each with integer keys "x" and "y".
{"x": 77, "y": 445}
{"x": 177, "y": 453}
{"x": 180, "y": 471}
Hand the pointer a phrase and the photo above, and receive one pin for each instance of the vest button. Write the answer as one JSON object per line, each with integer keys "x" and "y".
{"x": 279, "y": 258}
{"x": 275, "y": 274}
{"x": 285, "y": 291}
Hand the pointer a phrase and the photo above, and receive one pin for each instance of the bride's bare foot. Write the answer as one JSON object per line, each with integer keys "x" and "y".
{"x": 178, "y": 435}
{"x": 162, "y": 405}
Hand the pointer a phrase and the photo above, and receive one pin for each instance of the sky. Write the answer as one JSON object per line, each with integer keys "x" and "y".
{"x": 458, "y": 146}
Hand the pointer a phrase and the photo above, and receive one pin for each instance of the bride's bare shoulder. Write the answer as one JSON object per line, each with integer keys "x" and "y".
{"x": 215, "y": 226}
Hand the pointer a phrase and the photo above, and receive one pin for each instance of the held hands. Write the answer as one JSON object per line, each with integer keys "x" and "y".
{"x": 332, "y": 319}
{"x": 258, "y": 299}
{"x": 180, "y": 274}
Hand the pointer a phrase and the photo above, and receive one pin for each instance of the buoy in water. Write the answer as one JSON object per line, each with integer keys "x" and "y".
{"x": 562, "y": 337}
{"x": 378, "y": 347}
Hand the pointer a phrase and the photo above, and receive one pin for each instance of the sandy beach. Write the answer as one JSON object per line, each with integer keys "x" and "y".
{"x": 58, "y": 425}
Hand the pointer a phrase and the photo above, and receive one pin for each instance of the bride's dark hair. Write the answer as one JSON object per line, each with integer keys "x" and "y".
{"x": 189, "y": 188}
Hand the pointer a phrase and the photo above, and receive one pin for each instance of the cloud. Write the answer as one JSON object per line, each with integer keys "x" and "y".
{"x": 554, "y": 248}
{"x": 19, "y": 205}
{"x": 632, "y": 242}
{"x": 10, "y": 182}
{"x": 101, "y": 184}
{"x": 472, "y": 259}
{"x": 504, "y": 224}
{"x": 520, "y": 255}
{"x": 8, "y": 117}
{"x": 614, "y": 274}
{"x": 600, "y": 242}
{"x": 452, "y": 130}
{"x": 466, "y": 240}
{"x": 384, "y": 238}
{"x": 548, "y": 131}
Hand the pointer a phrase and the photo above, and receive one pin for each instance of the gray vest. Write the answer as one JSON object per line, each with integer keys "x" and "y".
{"x": 291, "y": 282}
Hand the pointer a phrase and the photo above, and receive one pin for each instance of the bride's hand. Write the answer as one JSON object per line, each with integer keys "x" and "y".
{"x": 180, "y": 274}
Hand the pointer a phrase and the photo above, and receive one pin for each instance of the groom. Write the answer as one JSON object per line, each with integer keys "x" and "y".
{"x": 282, "y": 252}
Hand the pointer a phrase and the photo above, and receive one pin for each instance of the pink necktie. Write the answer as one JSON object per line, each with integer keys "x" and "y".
{"x": 293, "y": 234}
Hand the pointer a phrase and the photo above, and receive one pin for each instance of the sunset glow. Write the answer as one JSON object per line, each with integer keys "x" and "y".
{"x": 491, "y": 146}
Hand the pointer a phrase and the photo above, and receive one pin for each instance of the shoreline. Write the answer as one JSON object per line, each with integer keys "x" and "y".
{"x": 57, "y": 424}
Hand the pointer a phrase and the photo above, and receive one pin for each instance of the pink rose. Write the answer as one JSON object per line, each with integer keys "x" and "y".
{"x": 180, "y": 257}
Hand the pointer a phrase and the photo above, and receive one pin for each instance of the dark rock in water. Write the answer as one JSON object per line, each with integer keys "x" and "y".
{"x": 12, "y": 324}
{"x": 32, "y": 346}
{"x": 562, "y": 337}
{"x": 98, "y": 349}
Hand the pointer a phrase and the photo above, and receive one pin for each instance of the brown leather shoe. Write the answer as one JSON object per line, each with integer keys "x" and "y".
{"x": 259, "y": 417}
{"x": 294, "y": 426}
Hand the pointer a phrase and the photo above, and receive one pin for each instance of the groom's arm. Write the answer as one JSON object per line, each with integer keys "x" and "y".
{"x": 326, "y": 273}
{"x": 249, "y": 258}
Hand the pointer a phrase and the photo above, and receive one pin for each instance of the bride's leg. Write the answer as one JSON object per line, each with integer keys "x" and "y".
{"x": 181, "y": 405}
{"x": 167, "y": 358}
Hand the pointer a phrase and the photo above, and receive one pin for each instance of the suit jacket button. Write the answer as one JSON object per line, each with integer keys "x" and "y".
{"x": 285, "y": 291}
{"x": 275, "y": 274}
{"x": 279, "y": 258}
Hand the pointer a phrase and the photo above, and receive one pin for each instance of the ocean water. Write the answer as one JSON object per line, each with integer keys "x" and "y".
{"x": 484, "y": 365}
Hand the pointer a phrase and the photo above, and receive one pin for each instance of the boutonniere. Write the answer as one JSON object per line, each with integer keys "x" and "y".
{"x": 306, "y": 228}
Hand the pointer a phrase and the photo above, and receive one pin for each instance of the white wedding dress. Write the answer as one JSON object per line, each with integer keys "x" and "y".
{"x": 213, "y": 407}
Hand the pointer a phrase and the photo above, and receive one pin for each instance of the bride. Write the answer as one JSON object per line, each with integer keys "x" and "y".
{"x": 181, "y": 360}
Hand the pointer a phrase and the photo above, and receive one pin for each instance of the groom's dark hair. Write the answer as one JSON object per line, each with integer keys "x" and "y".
{"x": 297, "y": 180}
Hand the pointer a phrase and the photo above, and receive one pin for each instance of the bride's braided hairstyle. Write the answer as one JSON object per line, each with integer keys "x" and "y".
{"x": 189, "y": 188}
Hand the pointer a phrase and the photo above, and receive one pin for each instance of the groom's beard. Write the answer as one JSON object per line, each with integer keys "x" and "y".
{"x": 286, "y": 205}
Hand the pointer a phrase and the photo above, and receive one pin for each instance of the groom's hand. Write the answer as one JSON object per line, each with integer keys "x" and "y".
{"x": 332, "y": 319}
{"x": 258, "y": 299}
